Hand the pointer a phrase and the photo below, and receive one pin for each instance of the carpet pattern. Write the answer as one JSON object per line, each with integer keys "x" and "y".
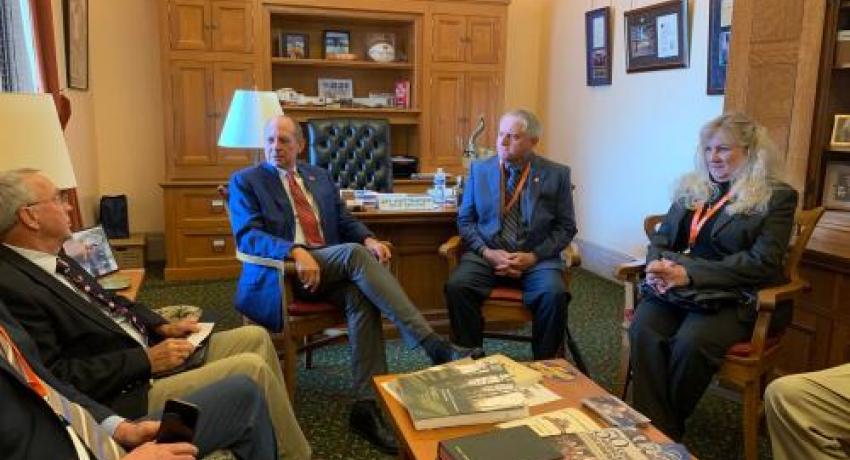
{"x": 322, "y": 399}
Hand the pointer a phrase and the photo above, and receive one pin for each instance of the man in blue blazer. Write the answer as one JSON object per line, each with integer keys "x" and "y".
{"x": 515, "y": 219}
{"x": 288, "y": 209}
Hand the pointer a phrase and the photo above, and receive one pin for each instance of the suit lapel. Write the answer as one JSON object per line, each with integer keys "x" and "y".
{"x": 723, "y": 219}
{"x": 274, "y": 183}
{"x": 64, "y": 293}
{"x": 494, "y": 182}
{"x": 535, "y": 182}
{"x": 313, "y": 186}
{"x": 677, "y": 214}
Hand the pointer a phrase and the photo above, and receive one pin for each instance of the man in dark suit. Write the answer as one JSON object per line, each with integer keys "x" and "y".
{"x": 515, "y": 219}
{"x": 285, "y": 208}
{"x": 232, "y": 415}
{"x": 108, "y": 347}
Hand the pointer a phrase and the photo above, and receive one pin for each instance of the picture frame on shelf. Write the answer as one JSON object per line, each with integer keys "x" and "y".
{"x": 840, "y": 139}
{"x": 76, "y": 22}
{"x": 597, "y": 24}
{"x": 657, "y": 36}
{"x": 719, "y": 39}
{"x": 836, "y": 186}
{"x": 335, "y": 42}
{"x": 336, "y": 89}
{"x": 295, "y": 45}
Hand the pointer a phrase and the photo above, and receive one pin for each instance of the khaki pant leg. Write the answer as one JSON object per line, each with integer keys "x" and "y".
{"x": 809, "y": 414}
{"x": 247, "y": 351}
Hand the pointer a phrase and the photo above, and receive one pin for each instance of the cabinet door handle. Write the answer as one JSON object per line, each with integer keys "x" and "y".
{"x": 217, "y": 206}
{"x": 218, "y": 245}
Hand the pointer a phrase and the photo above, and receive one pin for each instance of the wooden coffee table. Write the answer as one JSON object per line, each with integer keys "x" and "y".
{"x": 422, "y": 444}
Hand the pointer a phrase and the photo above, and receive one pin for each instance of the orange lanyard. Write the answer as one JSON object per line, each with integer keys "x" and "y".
{"x": 35, "y": 382}
{"x": 699, "y": 219}
{"x": 518, "y": 190}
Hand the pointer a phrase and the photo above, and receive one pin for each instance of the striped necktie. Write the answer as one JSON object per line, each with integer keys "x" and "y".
{"x": 304, "y": 212}
{"x": 84, "y": 425}
{"x": 86, "y": 283}
{"x": 511, "y": 234}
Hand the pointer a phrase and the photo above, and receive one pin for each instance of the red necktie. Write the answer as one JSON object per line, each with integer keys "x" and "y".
{"x": 306, "y": 216}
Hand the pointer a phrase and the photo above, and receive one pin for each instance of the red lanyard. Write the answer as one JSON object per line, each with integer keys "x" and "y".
{"x": 35, "y": 382}
{"x": 511, "y": 201}
{"x": 699, "y": 219}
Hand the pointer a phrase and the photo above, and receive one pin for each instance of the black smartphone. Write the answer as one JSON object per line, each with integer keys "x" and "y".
{"x": 178, "y": 422}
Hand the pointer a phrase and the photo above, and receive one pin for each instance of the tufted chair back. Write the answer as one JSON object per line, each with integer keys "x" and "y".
{"x": 356, "y": 151}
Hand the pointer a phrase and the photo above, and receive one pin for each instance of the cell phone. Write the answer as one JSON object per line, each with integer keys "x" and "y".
{"x": 178, "y": 422}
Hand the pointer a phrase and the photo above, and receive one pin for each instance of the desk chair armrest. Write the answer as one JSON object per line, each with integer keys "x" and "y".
{"x": 629, "y": 271}
{"x": 769, "y": 297}
{"x": 450, "y": 250}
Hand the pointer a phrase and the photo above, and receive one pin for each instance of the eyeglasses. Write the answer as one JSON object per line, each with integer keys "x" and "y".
{"x": 57, "y": 198}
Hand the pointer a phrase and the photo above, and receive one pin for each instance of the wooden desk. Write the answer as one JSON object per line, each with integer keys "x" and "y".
{"x": 422, "y": 444}
{"x": 137, "y": 276}
{"x": 416, "y": 236}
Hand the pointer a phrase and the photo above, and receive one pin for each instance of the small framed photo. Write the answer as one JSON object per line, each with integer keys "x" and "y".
{"x": 657, "y": 36}
{"x": 719, "y": 37}
{"x": 836, "y": 188}
{"x": 336, "y": 42}
{"x": 336, "y": 88}
{"x": 597, "y": 24}
{"x": 840, "y": 139}
{"x": 295, "y": 46}
{"x": 90, "y": 248}
{"x": 76, "y": 19}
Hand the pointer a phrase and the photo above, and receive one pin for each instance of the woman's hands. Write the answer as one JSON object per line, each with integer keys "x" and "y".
{"x": 664, "y": 274}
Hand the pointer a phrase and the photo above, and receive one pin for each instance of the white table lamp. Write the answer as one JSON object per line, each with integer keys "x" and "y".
{"x": 248, "y": 113}
{"x": 31, "y": 137}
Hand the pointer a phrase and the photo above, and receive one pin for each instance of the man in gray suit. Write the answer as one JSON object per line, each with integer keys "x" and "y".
{"x": 515, "y": 219}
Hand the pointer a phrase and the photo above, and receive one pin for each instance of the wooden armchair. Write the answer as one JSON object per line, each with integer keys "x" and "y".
{"x": 505, "y": 304}
{"x": 747, "y": 365}
{"x": 302, "y": 321}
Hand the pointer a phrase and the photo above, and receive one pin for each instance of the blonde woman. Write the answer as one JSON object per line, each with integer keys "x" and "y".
{"x": 724, "y": 237}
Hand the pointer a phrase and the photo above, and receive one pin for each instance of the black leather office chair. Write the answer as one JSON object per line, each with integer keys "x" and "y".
{"x": 356, "y": 151}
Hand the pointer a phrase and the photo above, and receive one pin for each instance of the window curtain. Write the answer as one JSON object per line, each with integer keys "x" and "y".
{"x": 15, "y": 69}
{"x": 45, "y": 52}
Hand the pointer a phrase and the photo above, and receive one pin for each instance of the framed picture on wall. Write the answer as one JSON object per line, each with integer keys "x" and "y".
{"x": 76, "y": 21}
{"x": 597, "y": 25}
{"x": 657, "y": 36}
{"x": 719, "y": 38}
{"x": 836, "y": 186}
{"x": 840, "y": 139}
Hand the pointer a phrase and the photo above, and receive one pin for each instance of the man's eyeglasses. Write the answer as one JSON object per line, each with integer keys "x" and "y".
{"x": 57, "y": 198}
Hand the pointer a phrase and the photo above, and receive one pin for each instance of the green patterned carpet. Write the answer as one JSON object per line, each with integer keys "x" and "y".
{"x": 323, "y": 398}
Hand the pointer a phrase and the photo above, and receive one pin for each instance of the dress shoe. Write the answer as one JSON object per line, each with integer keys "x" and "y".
{"x": 366, "y": 421}
{"x": 448, "y": 351}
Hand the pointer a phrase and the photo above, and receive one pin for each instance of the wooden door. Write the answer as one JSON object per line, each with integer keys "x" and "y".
{"x": 194, "y": 116}
{"x": 232, "y": 26}
{"x": 230, "y": 76}
{"x": 773, "y": 69}
{"x": 483, "y": 98}
{"x": 447, "y": 129}
{"x": 449, "y": 37}
{"x": 189, "y": 22}
{"x": 482, "y": 40}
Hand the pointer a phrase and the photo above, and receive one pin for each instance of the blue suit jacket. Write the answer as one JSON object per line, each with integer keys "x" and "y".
{"x": 547, "y": 208}
{"x": 263, "y": 224}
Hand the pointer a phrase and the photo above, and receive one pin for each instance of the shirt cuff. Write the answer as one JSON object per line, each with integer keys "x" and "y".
{"x": 110, "y": 424}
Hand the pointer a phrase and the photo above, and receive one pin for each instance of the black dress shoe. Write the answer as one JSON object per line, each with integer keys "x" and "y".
{"x": 451, "y": 352}
{"x": 366, "y": 421}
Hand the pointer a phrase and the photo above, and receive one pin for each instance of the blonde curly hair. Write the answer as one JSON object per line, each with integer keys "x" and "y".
{"x": 752, "y": 185}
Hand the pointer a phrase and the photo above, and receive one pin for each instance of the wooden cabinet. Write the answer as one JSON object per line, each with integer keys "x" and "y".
{"x": 782, "y": 73}
{"x": 472, "y": 39}
{"x": 211, "y": 25}
{"x": 460, "y": 98}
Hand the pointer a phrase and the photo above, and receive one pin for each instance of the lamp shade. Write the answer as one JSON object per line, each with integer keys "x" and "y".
{"x": 249, "y": 111}
{"x": 31, "y": 137}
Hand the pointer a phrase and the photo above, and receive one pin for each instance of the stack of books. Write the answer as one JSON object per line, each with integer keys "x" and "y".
{"x": 461, "y": 393}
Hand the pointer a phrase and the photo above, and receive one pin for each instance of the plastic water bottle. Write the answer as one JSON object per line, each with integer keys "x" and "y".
{"x": 439, "y": 186}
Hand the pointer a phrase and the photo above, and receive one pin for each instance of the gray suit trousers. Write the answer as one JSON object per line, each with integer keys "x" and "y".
{"x": 352, "y": 278}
